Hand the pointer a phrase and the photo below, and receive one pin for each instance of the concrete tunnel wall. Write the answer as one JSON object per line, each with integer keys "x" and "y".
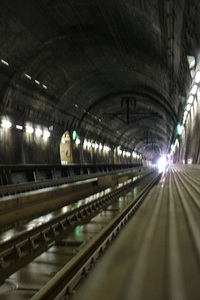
{"x": 19, "y": 147}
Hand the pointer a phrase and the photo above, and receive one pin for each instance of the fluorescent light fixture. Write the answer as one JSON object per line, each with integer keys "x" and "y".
{"x": 77, "y": 141}
{"x": 29, "y": 129}
{"x": 190, "y": 99}
{"x": 46, "y": 134}
{"x": 4, "y": 62}
{"x": 119, "y": 151}
{"x": 37, "y": 82}
{"x": 28, "y": 76}
{"x": 191, "y": 61}
{"x": 20, "y": 127}
{"x": 6, "y": 124}
{"x": 188, "y": 107}
{"x": 44, "y": 86}
{"x": 197, "y": 77}
{"x": 194, "y": 89}
{"x": 38, "y": 131}
{"x": 106, "y": 148}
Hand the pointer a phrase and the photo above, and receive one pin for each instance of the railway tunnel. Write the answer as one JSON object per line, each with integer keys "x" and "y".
{"x": 92, "y": 95}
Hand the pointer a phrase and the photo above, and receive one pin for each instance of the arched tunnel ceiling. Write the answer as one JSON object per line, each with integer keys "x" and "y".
{"x": 114, "y": 70}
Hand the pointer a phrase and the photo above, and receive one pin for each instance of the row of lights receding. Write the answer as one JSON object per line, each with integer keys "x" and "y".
{"x": 36, "y": 81}
{"x": 189, "y": 104}
{"x": 26, "y": 75}
{"x": 128, "y": 154}
{"x": 96, "y": 118}
{"x": 88, "y": 144}
{"x": 29, "y": 129}
{"x": 191, "y": 97}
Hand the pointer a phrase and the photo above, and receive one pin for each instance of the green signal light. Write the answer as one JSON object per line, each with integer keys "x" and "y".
{"x": 179, "y": 129}
{"x": 74, "y": 135}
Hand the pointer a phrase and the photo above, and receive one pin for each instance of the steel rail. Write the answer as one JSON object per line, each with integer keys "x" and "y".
{"x": 27, "y": 245}
{"x": 65, "y": 281}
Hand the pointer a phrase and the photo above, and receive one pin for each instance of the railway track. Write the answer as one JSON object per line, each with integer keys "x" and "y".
{"x": 24, "y": 247}
{"x": 166, "y": 248}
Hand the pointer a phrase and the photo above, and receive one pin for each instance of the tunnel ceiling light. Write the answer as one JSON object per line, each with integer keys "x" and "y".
{"x": 38, "y": 131}
{"x": 197, "y": 77}
{"x": 4, "y": 62}
{"x": 194, "y": 89}
{"x": 6, "y": 124}
{"x": 37, "y": 82}
{"x": 28, "y": 76}
{"x": 20, "y": 127}
{"x": 29, "y": 129}
{"x": 62, "y": 141}
{"x": 44, "y": 86}
{"x": 190, "y": 99}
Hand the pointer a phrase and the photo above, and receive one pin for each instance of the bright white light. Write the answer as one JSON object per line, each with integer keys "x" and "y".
{"x": 6, "y": 124}
{"x": 4, "y": 62}
{"x": 46, "y": 134}
{"x": 27, "y": 76}
{"x": 190, "y": 99}
{"x": 89, "y": 144}
{"x": 29, "y": 129}
{"x": 194, "y": 89}
{"x": 191, "y": 61}
{"x": 44, "y": 86}
{"x": 119, "y": 151}
{"x": 162, "y": 163}
{"x": 20, "y": 127}
{"x": 77, "y": 141}
{"x": 197, "y": 77}
{"x": 93, "y": 145}
{"x": 96, "y": 146}
{"x": 176, "y": 142}
{"x": 85, "y": 143}
{"x": 189, "y": 161}
{"x": 37, "y": 82}
{"x": 188, "y": 107}
{"x": 38, "y": 132}
{"x": 62, "y": 141}
{"x": 100, "y": 147}
{"x": 106, "y": 148}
